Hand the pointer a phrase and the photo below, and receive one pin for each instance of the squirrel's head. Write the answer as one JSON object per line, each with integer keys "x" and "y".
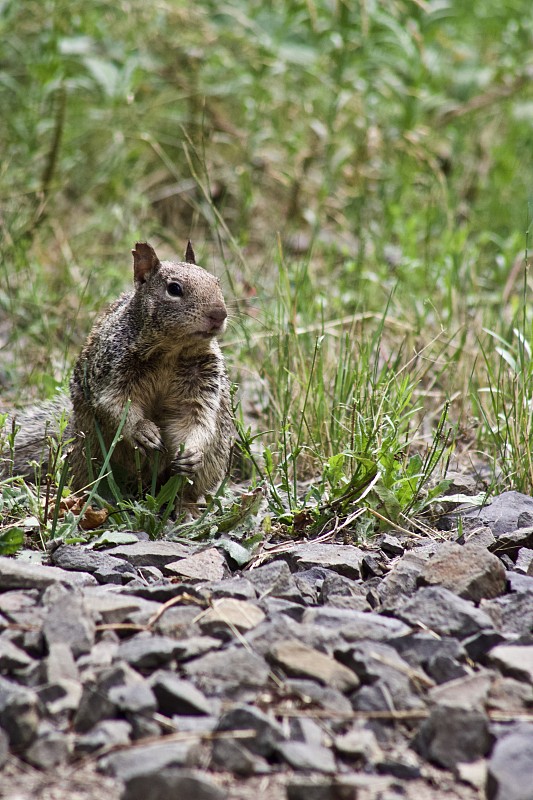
{"x": 181, "y": 299}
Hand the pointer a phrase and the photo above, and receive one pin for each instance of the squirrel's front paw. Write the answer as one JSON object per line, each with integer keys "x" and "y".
{"x": 147, "y": 436}
{"x": 188, "y": 462}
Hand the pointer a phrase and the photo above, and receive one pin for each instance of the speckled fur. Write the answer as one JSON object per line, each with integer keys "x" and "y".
{"x": 34, "y": 426}
{"x": 160, "y": 353}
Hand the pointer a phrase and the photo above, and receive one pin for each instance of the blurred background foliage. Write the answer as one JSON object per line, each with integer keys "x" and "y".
{"x": 358, "y": 116}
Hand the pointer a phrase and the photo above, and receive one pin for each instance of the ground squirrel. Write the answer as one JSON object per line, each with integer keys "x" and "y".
{"x": 154, "y": 351}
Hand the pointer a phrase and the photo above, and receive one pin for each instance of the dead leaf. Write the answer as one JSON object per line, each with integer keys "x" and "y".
{"x": 93, "y": 518}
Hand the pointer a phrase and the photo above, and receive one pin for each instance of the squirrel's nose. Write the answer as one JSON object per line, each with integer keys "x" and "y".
{"x": 217, "y": 314}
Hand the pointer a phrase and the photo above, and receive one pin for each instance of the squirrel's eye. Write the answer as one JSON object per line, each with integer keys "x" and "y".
{"x": 174, "y": 289}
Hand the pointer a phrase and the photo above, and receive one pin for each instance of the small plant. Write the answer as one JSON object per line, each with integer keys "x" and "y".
{"x": 347, "y": 454}
{"x": 505, "y": 405}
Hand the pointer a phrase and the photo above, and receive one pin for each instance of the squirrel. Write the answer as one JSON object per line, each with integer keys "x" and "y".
{"x": 152, "y": 370}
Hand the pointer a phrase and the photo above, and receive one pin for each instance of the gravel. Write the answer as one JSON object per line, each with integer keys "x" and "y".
{"x": 325, "y": 671}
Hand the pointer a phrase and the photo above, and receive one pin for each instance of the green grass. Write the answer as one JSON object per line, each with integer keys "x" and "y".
{"x": 359, "y": 175}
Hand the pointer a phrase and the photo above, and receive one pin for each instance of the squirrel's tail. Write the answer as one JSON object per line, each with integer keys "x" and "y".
{"x": 29, "y": 436}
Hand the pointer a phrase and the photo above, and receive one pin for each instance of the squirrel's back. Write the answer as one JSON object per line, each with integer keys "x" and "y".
{"x": 35, "y": 429}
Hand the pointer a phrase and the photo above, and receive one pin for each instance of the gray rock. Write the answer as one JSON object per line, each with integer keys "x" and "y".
{"x": 359, "y": 745}
{"x": 307, "y": 757}
{"x": 478, "y": 645}
{"x": 518, "y": 582}
{"x": 443, "y": 668}
{"x": 147, "y": 652}
{"x": 335, "y": 586}
{"x": 502, "y": 515}
{"x": 300, "y": 661}
{"x": 509, "y": 696}
{"x": 108, "y": 575}
{"x": 312, "y": 693}
{"x": 265, "y": 734}
{"x": 234, "y": 671}
{"x": 280, "y": 626}
{"x": 49, "y": 749}
{"x": 452, "y": 735}
{"x": 514, "y": 660}
{"x": 80, "y": 559}
{"x": 108, "y": 606}
{"x": 145, "y": 760}
{"x": 67, "y": 620}
{"x": 134, "y": 698}
{"x": 59, "y": 663}
{"x": 373, "y": 565}
{"x": 438, "y": 656}
{"x": 404, "y": 767}
{"x": 385, "y": 676}
{"x": 238, "y": 587}
{"x": 12, "y": 658}
{"x": 275, "y": 580}
{"x": 172, "y": 783}
{"x": 4, "y": 748}
{"x": 355, "y": 603}
{"x": 354, "y": 625}
{"x": 231, "y": 756}
{"x": 524, "y": 561}
{"x": 309, "y": 583}
{"x": 194, "y": 646}
{"x": 402, "y": 579}
{"x": 338, "y": 789}
{"x": 61, "y": 697}
{"x": 95, "y": 704}
{"x": 341, "y": 558}
{"x": 512, "y": 542}
{"x": 470, "y": 692}
{"x": 510, "y": 769}
{"x": 228, "y": 615}
{"x": 512, "y": 614}
{"x": 16, "y": 601}
{"x": 179, "y": 622}
{"x": 176, "y": 696}
{"x": 161, "y": 590}
{"x": 481, "y": 536}
{"x": 469, "y": 571}
{"x": 273, "y": 606}
{"x": 102, "y": 655}
{"x": 441, "y": 611}
{"x": 192, "y": 724}
{"x": 305, "y": 729}
{"x": 23, "y": 575}
{"x": 151, "y": 554}
{"x": 391, "y": 545}
{"x": 207, "y": 565}
{"x": 19, "y": 713}
{"x": 108, "y": 733}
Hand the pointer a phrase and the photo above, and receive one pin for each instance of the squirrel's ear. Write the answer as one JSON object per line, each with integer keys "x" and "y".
{"x": 144, "y": 261}
{"x": 190, "y": 258}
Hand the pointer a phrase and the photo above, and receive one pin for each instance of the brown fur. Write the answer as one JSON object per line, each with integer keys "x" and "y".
{"x": 156, "y": 349}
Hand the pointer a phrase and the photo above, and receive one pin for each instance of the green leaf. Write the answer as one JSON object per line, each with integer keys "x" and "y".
{"x": 269, "y": 463}
{"x": 11, "y": 541}
{"x": 389, "y": 505}
{"x": 334, "y": 469}
{"x": 247, "y": 507}
{"x": 113, "y": 538}
{"x": 414, "y": 467}
{"x": 235, "y": 551}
